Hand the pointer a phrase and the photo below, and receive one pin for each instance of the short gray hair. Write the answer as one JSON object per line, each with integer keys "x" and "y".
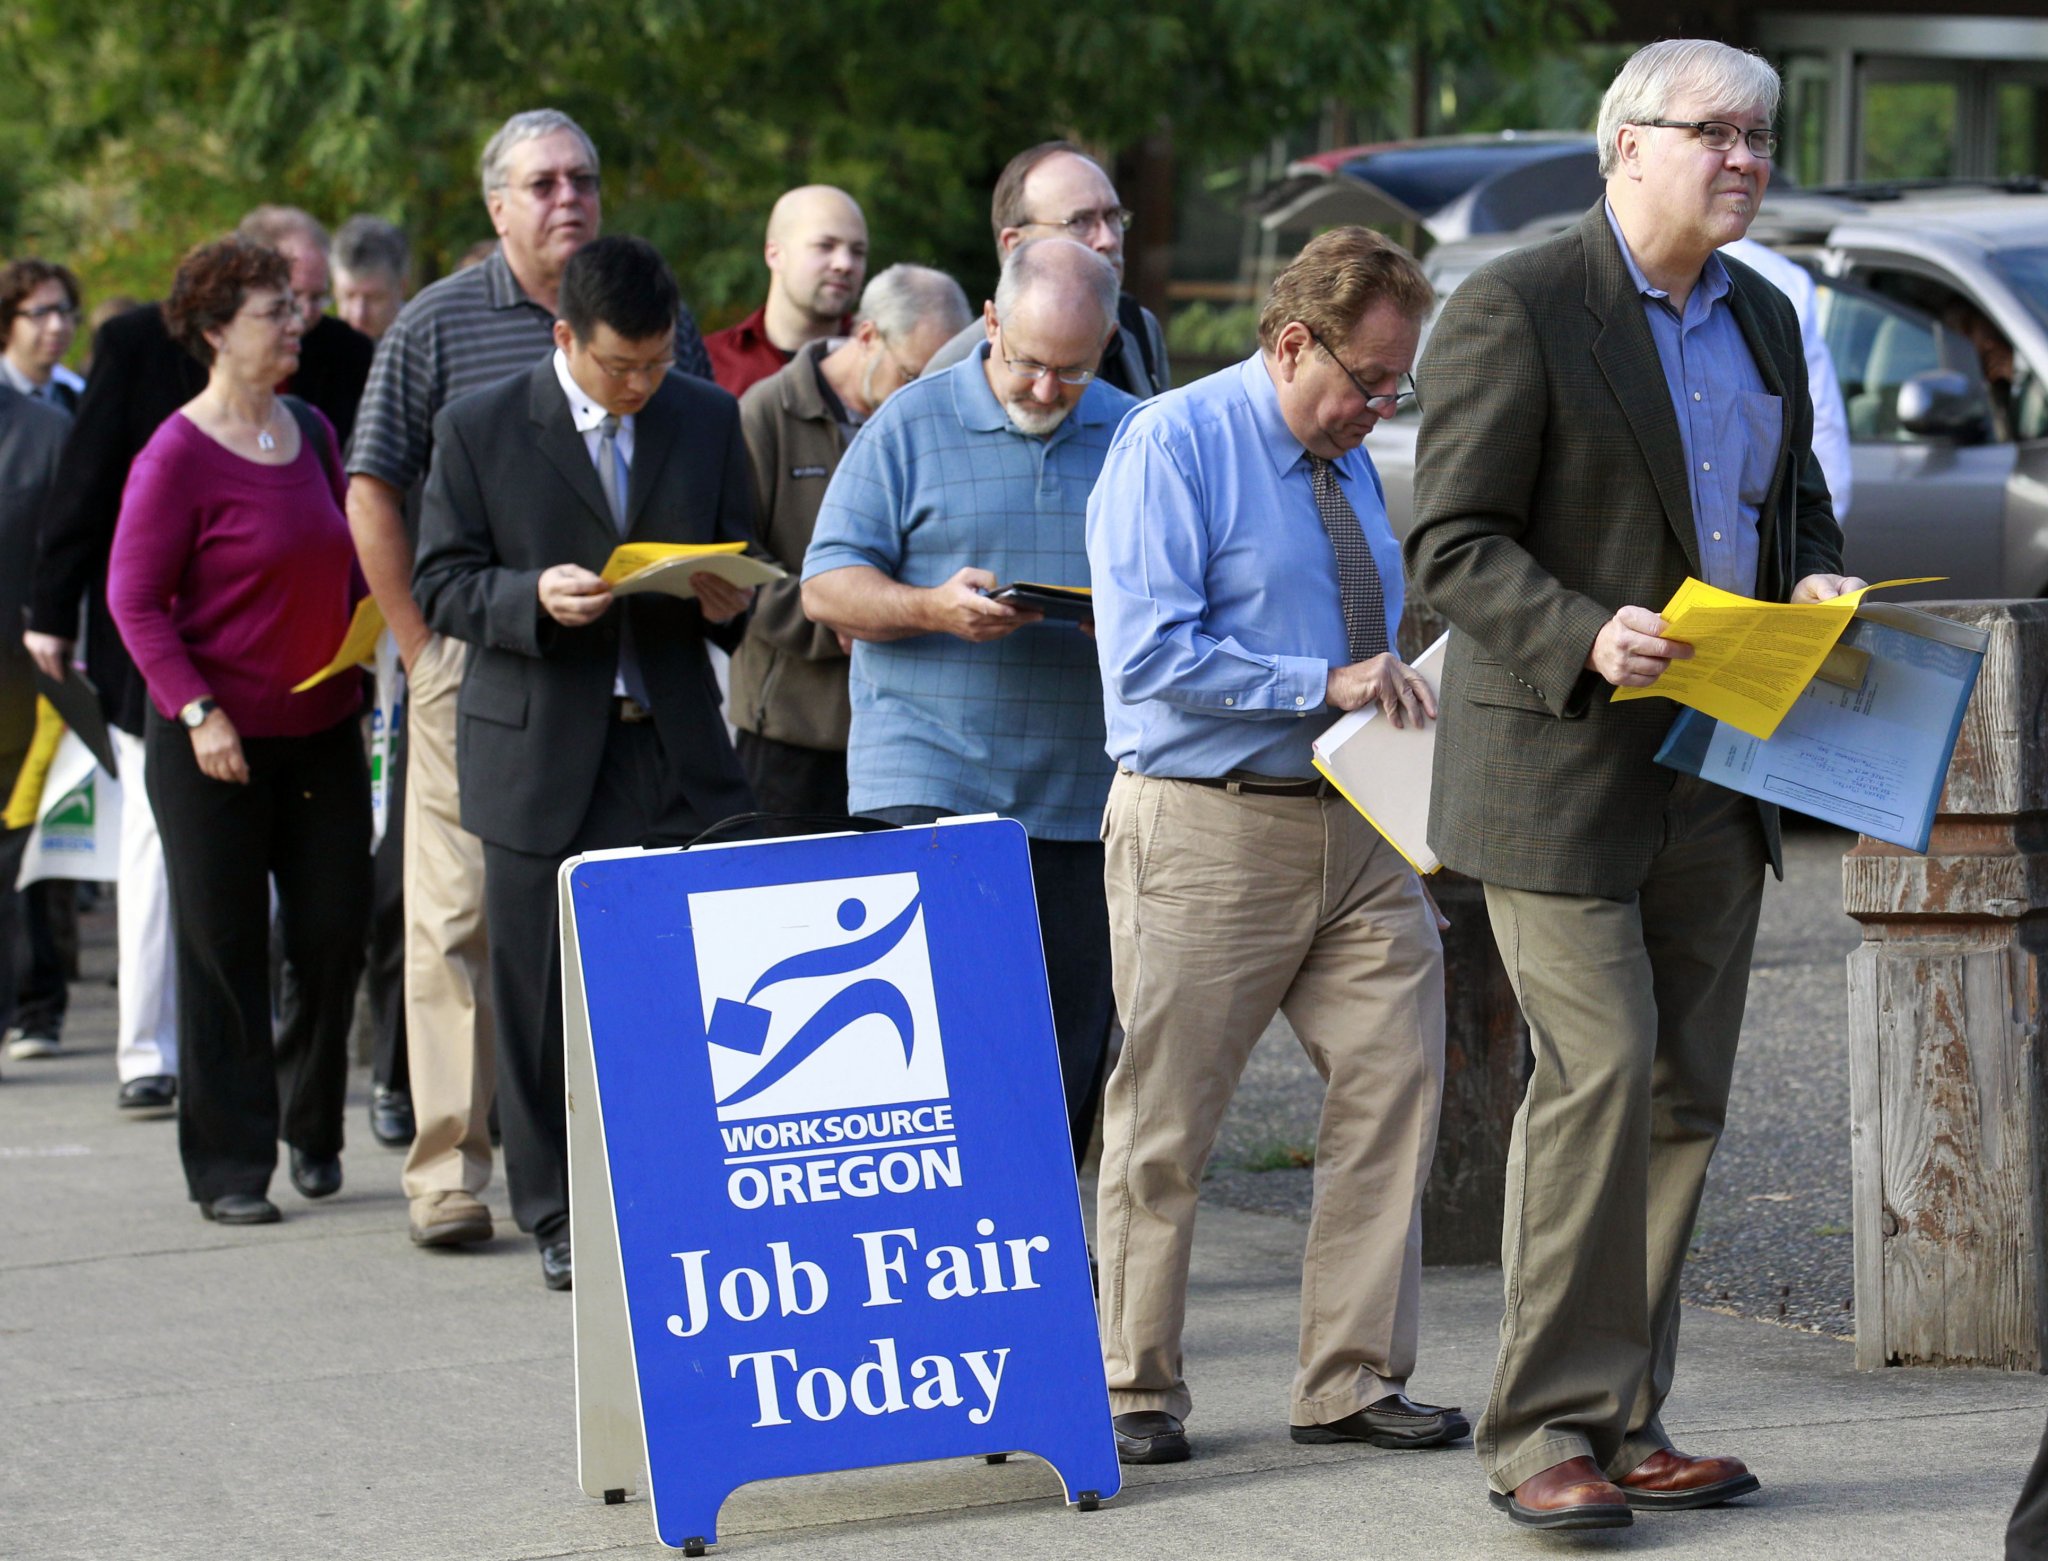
{"x": 1660, "y": 72}
{"x": 271, "y": 225}
{"x": 1031, "y": 260}
{"x": 897, "y": 301}
{"x": 527, "y": 125}
{"x": 365, "y": 243}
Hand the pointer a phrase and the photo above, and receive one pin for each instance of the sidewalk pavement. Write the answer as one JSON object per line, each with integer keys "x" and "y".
{"x": 172, "y": 1389}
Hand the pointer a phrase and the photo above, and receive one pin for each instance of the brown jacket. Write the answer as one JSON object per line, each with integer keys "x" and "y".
{"x": 1550, "y": 490}
{"x": 789, "y": 674}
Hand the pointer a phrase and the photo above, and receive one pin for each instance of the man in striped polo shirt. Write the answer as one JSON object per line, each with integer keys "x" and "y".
{"x": 467, "y": 331}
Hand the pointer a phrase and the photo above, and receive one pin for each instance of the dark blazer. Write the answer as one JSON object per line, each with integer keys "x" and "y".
{"x": 511, "y": 493}
{"x": 1550, "y": 490}
{"x": 140, "y": 376}
{"x": 31, "y": 440}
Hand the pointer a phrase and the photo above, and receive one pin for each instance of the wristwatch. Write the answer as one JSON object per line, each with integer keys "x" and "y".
{"x": 194, "y": 715}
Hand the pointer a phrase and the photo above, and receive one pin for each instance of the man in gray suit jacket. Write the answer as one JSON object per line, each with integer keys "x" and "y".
{"x": 583, "y": 723}
{"x": 1608, "y": 413}
{"x": 31, "y": 436}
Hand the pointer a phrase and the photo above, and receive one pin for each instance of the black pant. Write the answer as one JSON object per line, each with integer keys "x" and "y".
{"x": 48, "y": 955}
{"x": 2026, "y": 1536}
{"x": 303, "y": 820}
{"x": 635, "y": 804}
{"x": 386, "y": 967}
{"x": 1073, "y": 924}
{"x": 13, "y": 908}
{"x": 793, "y": 780}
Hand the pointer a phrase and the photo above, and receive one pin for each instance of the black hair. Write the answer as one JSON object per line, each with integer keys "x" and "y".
{"x": 620, "y": 282}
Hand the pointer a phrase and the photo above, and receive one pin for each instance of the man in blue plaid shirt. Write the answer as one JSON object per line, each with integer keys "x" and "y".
{"x": 966, "y": 481}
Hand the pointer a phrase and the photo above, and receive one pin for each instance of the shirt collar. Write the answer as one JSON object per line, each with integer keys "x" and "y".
{"x": 979, "y": 409}
{"x": 16, "y": 378}
{"x": 501, "y": 287}
{"x": 1713, "y": 275}
{"x": 585, "y": 413}
{"x": 1277, "y": 439}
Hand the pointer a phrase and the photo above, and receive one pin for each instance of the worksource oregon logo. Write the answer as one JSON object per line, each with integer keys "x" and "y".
{"x": 822, "y": 1027}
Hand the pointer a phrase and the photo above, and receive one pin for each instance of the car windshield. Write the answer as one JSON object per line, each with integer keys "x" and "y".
{"x": 2027, "y": 271}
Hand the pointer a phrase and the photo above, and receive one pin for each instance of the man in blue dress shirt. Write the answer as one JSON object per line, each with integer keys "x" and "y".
{"x": 1247, "y": 589}
{"x": 965, "y": 481}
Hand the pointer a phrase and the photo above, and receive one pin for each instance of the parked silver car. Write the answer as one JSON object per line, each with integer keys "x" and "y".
{"x": 1934, "y": 304}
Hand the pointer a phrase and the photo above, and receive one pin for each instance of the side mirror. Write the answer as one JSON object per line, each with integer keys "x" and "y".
{"x": 1943, "y": 404}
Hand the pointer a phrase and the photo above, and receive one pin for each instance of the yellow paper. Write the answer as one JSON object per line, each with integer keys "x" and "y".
{"x": 357, "y": 646}
{"x": 27, "y": 798}
{"x": 630, "y": 557}
{"x": 1750, "y": 660}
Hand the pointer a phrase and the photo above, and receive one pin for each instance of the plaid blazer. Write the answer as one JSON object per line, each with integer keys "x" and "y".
{"x": 1550, "y": 490}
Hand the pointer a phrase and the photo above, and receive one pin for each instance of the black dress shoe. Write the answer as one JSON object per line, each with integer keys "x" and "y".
{"x": 1149, "y": 1436}
{"x": 391, "y": 1122}
{"x": 556, "y": 1270}
{"x": 316, "y": 1178}
{"x": 1396, "y": 1422}
{"x": 157, "y": 1092}
{"x": 240, "y": 1208}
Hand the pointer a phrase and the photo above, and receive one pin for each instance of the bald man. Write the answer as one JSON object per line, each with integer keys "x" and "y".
{"x": 817, "y": 254}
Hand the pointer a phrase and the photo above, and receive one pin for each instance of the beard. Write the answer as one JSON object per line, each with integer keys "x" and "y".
{"x": 1034, "y": 419}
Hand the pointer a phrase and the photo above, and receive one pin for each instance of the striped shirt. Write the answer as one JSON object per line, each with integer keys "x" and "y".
{"x": 467, "y": 331}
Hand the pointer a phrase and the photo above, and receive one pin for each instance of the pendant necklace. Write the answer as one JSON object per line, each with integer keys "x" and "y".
{"x": 264, "y": 440}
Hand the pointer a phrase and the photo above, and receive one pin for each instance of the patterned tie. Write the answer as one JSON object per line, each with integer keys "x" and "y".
{"x": 611, "y": 476}
{"x": 1358, "y": 577}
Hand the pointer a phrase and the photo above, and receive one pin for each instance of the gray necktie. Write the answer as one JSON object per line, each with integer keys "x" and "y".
{"x": 611, "y": 476}
{"x": 1358, "y": 577}
{"x": 611, "y": 472}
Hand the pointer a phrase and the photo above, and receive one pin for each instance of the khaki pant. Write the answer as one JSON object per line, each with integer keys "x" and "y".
{"x": 1222, "y": 909}
{"x": 447, "y": 972}
{"x": 1634, "y": 1009}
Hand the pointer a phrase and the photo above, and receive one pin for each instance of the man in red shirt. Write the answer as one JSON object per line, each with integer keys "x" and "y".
{"x": 817, "y": 253}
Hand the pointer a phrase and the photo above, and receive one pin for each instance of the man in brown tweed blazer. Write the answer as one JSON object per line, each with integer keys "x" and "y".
{"x": 1606, "y": 414}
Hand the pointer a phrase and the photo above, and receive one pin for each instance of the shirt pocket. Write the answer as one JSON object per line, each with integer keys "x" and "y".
{"x": 1760, "y": 424}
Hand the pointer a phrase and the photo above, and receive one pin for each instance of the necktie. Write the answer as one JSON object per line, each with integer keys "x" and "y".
{"x": 1358, "y": 577}
{"x": 611, "y": 470}
{"x": 611, "y": 476}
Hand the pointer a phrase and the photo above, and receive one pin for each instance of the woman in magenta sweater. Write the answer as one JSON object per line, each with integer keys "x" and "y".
{"x": 232, "y": 579}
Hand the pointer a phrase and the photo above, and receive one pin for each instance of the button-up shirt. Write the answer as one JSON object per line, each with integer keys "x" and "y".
{"x": 742, "y": 355}
{"x": 589, "y": 418}
{"x": 60, "y": 390}
{"x": 1217, "y": 614}
{"x": 1729, "y": 424}
{"x": 939, "y": 480}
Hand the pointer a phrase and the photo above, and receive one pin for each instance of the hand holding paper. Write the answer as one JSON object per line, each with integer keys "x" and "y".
{"x": 1750, "y": 660}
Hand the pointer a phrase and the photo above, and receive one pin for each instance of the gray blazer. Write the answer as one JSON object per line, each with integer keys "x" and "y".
{"x": 511, "y": 493}
{"x": 31, "y": 437}
{"x": 1550, "y": 490}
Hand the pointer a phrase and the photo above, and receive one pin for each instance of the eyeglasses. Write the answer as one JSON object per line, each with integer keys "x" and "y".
{"x": 1381, "y": 405}
{"x": 313, "y": 303}
{"x": 543, "y": 188}
{"x": 1025, "y": 368}
{"x": 1082, "y": 225}
{"x": 654, "y": 372}
{"x": 1717, "y": 135}
{"x": 282, "y": 312}
{"x": 44, "y": 312}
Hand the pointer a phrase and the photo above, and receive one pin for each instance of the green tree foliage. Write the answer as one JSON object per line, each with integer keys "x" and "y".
{"x": 141, "y": 126}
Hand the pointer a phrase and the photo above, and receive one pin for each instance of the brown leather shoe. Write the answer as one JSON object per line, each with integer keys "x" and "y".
{"x": 1572, "y": 1494}
{"x": 1672, "y": 1481}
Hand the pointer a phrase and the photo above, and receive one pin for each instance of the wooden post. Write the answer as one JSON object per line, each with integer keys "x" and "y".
{"x": 1485, "y": 1043}
{"x": 1948, "y": 1114}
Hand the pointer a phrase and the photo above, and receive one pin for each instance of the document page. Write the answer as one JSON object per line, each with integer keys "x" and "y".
{"x": 358, "y": 645}
{"x": 1751, "y": 660}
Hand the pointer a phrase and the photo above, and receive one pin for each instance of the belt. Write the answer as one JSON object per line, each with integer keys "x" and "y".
{"x": 629, "y": 710}
{"x": 1261, "y": 788}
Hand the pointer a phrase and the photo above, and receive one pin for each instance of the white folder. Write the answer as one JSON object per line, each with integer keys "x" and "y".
{"x": 1384, "y": 770}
